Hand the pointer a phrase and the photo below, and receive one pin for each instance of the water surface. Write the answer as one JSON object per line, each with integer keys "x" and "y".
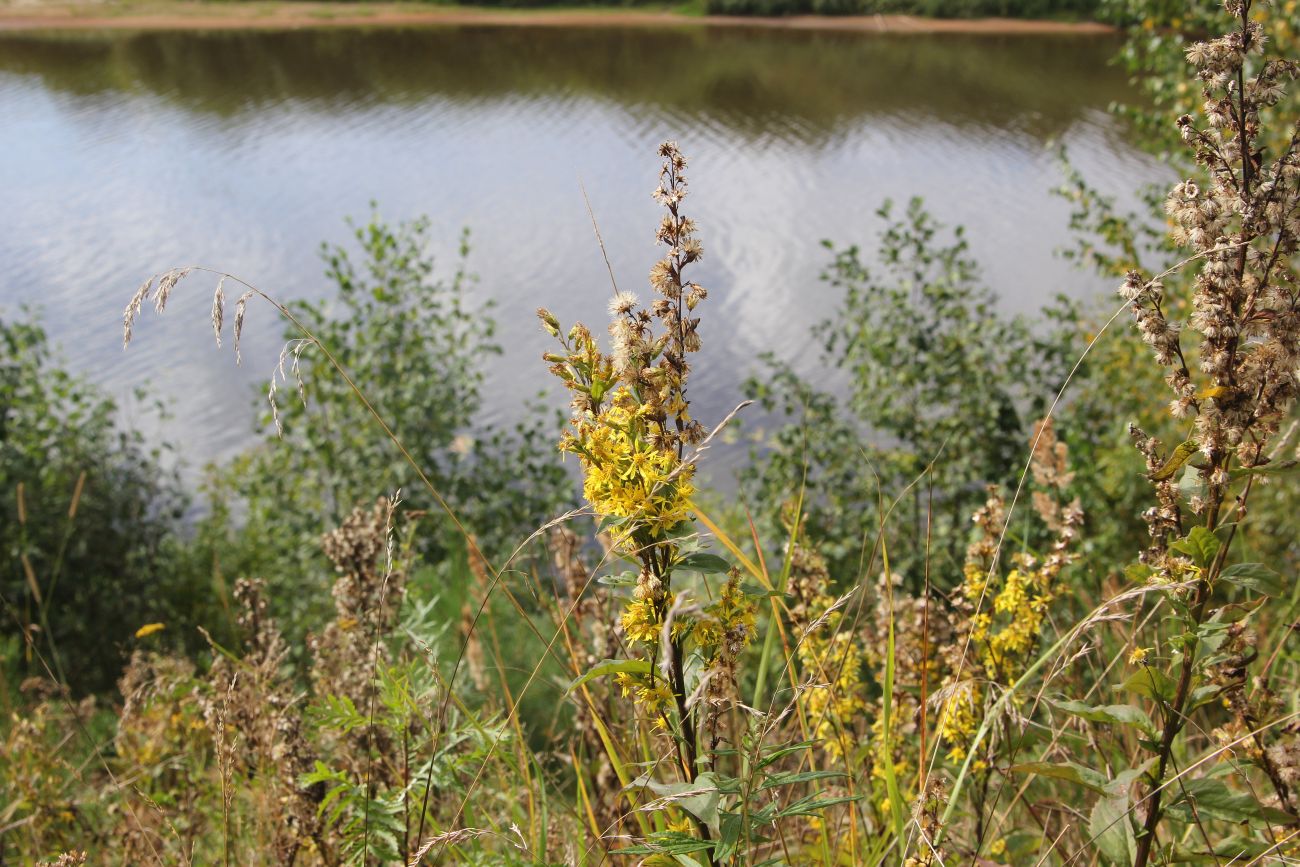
{"x": 125, "y": 154}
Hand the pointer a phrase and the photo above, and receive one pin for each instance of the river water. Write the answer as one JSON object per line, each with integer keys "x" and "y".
{"x": 124, "y": 154}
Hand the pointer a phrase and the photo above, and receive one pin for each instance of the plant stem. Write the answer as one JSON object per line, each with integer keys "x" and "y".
{"x": 1174, "y": 718}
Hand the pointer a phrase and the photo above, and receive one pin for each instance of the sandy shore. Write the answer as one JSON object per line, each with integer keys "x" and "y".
{"x": 288, "y": 16}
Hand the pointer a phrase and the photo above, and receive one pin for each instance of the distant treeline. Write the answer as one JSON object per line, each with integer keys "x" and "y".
{"x": 929, "y": 8}
{"x": 1032, "y": 9}
{"x": 1040, "y": 9}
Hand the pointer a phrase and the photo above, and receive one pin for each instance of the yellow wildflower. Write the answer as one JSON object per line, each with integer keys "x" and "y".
{"x": 149, "y": 629}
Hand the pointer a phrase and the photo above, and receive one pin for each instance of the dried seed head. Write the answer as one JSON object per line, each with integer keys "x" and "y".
{"x": 275, "y": 409}
{"x": 622, "y": 304}
{"x": 132, "y": 311}
{"x": 218, "y": 309}
{"x": 297, "y": 371}
{"x": 241, "y": 307}
{"x": 165, "y": 287}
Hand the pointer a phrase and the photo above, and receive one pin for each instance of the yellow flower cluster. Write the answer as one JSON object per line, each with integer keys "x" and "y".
{"x": 652, "y": 695}
{"x": 833, "y": 659}
{"x": 1003, "y": 639}
{"x": 1024, "y": 600}
{"x": 626, "y": 474}
{"x": 733, "y": 620}
{"x": 958, "y": 719}
{"x": 643, "y": 617}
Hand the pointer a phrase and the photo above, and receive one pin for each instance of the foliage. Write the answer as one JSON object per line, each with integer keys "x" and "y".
{"x": 929, "y": 8}
{"x": 932, "y": 371}
{"x": 87, "y": 518}
{"x": 418, "y": 342}
{"x": 1159, "y": 34}
{"x": 1056, "y": 691}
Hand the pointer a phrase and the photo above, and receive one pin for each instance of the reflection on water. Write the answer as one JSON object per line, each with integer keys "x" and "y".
{"x": 124, "y": 154}
{"x": 742, "y": 80}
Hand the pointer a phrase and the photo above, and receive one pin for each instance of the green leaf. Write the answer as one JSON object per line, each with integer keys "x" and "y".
{"x": 1122, "y": 714}
{"x": 730, "y": 826}
{"x": 1256, "y": 577}
{"x": 1112, "y": 831}
{"x": 780, "y": 752}
{"x": 813, "y": 806}
{"x": 338, "y": 713}
{"x": 1069, "y": 771}
{"x": 1266, "y": 470}
{"x": 668, "y": 843}
{"x": 754, "y": 591}
{"x": 1151, "y": 683}
{"x": 699, "y": 798}
{"x": 1234, "y": 846}
{"x": 1191, "y": 484}
{"x": 791, "y": 779}
{"x": 708, "y": 564}
{"x": 610, "y": 666}
{"x": 1200, "y": 544}
{"x": 1213, "y": 798}
{"x": 622, "y": 579}
{"x": 609, "y": 522}
{"x": 1138, "y": 573}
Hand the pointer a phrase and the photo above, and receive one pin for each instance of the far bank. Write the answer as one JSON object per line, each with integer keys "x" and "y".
{"x": 291, "y": 15}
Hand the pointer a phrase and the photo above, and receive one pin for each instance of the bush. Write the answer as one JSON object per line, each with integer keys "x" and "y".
{"x": 931, "y": 371}
{"x": 416, "y": 342}
{"x": 87, "y": 518}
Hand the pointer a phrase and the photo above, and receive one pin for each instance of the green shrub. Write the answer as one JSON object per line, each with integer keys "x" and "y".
{"x": 932, "y": 372}
{"x": 416, "y": 343}
{"x": 87, "y": 516}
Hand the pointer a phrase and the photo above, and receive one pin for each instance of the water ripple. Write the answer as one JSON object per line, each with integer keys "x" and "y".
{"x": 132, "y": 153}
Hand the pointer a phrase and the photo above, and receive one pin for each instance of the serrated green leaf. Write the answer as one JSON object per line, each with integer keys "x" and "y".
{"x": 1200, "y": 545}
{"x": 1256, "y": 577}
{"x": 668, "y": 843}
{"x": 1138, "y": 573}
